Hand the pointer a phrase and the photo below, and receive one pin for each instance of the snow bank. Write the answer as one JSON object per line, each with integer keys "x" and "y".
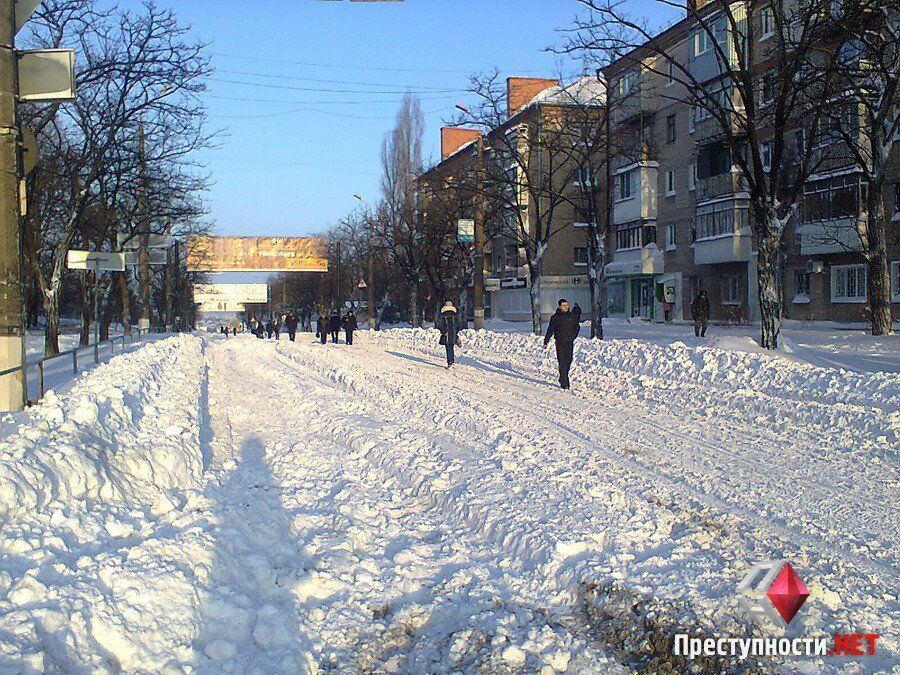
{"x": 128, "y": 430}
{"x": 678, "y": 362}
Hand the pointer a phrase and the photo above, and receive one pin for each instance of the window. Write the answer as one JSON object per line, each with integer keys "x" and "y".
{"x": 767, "y": 23}
{"x": 895, "y": 281}
{"x": 896, "y": 200}
{"x": 625, "y": 84}
{"x": 801, "y": 282}
{"x": 765, "y": 152}
{"x": 670, "y": 78}
{"x": 584, "y": 175}
{"x": 731, "y": 290}
{"x": 634, "y": 235}
{"x": 670, "y": 183}
{"x": 848, "y": 283}
{"x": 509, "y": 258}
{"x": 670, "y": 238}
{"x": 580, "y": 257}
{"x": 692, "y": 177}
{"x": 832, "y": 198}
{"x": 767, "y": 89}
{"x": 713, "y": 160}
{"x": 625, "y": 184}
{"x": 720, "y": 219}
{"x": 702, "y": 41}
{"x": 670, "y": 129}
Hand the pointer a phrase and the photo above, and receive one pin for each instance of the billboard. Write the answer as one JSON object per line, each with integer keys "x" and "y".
{"x": 231, "y": 293}
{"x": 213, "y": 307}
{"x": 256, "y": 254}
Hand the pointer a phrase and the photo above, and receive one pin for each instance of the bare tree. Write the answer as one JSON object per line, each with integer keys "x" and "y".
{"x": 863, "y": 116}
{"x": 763, "y": 98}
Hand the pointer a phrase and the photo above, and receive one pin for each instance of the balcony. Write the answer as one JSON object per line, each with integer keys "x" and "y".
{"x": 829, "y": 236}
{"x": 712, "y": 129}
{"x": 723, "y": 232}
{"x": 721, "y": 185}
{"x": 641, "y": 102}
{"x": 641, "y": 206}
{"x": 647, "y": 260}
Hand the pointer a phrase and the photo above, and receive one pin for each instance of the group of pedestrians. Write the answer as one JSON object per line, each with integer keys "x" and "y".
{"x": 331, "y": 325}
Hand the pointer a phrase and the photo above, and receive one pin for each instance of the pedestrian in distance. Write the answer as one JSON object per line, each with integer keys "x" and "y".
{"x": 447, "y": 325}
{"x": 563, "y": 328}
{"x": 334, "y": 325}
{"x": 270, "y": 328}
{"x": 290, "y": 323}
{"x": 350, "y": 326}
{"x": 307, "y": 319}
{"x": 322, "y": 328}
{"x": 576, "y": 310}
{"x": 700, "y": 314}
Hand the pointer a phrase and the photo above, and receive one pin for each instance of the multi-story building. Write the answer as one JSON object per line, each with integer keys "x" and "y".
{"x": 534, "y": 106}
{"x": 681, "y": 220}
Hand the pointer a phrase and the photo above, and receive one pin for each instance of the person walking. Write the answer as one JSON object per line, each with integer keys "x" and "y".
{"x": 446, "y": 323}
{"x": 563, "y": 328}
{"x": 291, "y": 324}
{"x": 334, "y": 325}
{"x": 700, "y": 314}
{"x": 270, "y": 328}
{"x": 322, "y": 328}
{"x": 307, "y": 319}
{"x": 350, "y": 326}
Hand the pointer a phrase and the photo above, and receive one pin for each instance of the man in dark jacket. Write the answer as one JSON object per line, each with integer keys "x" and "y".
{"x": 350, "y": 325}
{"x": 291, "y": 323}
{"x": 576, "y": 310}
{"x": 563, "y": 327}
{"x": 322, "y": 328}
{"x": 334, "y": 325}
{"x": 700, "y": 314}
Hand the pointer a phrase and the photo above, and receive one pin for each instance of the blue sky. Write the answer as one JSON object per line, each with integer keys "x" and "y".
{"x": 297, "y": 147}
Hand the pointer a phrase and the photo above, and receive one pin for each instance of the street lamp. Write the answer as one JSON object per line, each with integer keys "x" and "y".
{"x": 370, "y": 298}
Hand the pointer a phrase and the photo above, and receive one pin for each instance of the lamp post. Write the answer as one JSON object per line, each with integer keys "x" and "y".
{"x": 370, "y": 297}
{"x": 478, "y": 272}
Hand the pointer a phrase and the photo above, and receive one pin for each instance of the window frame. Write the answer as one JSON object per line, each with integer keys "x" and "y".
{"x": 731, "y": 282}
{"x": 671, "y": 128}
{"x": 671, "y": 237}
{"x": 670, "y": 183}
{"x": 861, "y": 280}
{"x": 895, "y": 280}
{"x": 766, "y": 23}
{"x": 575, "y": 260}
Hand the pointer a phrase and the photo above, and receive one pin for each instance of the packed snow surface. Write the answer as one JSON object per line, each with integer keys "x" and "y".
{"x": 236, "y": 505}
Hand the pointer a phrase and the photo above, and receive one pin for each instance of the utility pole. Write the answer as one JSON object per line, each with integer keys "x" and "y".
{"x": 478, "y": 280}
{"x": 143, "y": 238}
{"x": 12, "y": 319}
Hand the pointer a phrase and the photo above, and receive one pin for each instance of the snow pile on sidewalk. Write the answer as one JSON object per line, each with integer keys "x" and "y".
{"x": 711, "y": 366}
{"x": 118, "y": 434}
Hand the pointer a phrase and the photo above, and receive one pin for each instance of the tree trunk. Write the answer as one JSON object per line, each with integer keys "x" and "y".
{"x": 414, "y": 304}
{"x": 464, "y": 307}
{"x": 126, "y": 302}
{"x": 877, "y": 270}
{"x": 535, "y": 291}
{"x": 769, "y": 284}
{"x": 51, "y": 327}
{"x": 595, "y": 279}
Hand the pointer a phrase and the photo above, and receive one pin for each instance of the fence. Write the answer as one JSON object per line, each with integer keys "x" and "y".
{"x": 125, "y": 338}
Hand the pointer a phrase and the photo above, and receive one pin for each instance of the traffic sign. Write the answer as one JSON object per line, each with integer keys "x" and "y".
{"x": 46, "y": 75}
{"x": 101, "y": 261}
{"x": 157, "y": 257}
{"x": 24, "y": 10}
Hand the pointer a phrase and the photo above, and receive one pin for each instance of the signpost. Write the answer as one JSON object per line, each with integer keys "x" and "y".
{"x": 465, "y": 231}
{"x": 98, "y": 261}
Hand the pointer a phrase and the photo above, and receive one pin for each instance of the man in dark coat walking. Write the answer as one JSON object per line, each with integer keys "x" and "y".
{"x": 322, "y": 328}
{"x": 563, "y": 328}
{"x": 334, "y": 325}
{"x": 700, "y": 314}
{"x": 350, "y": 325}
{"x": 576, "y": 310}
{"x": 291, "y": 324}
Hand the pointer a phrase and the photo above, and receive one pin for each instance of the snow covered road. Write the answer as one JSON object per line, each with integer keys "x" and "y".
{"x": 249, "y": 506}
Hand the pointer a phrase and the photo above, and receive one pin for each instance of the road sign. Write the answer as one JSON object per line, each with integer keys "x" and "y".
{"x": 129, "y": 242}
{"x": 220, "y": 307}
{"x": 46, "y": 75}
{"x": 157, "y": 257}
{"x": 102, "y": 261}
{"x": 24, "y": 10}
{"x": 465, "y": 230}
{"x": 231, "y": 293}
{"x": 29, "y": 149}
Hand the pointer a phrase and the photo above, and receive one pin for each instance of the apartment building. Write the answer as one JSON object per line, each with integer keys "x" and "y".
{"x": 533, "y": 104}
{"x": 681, "y": 221}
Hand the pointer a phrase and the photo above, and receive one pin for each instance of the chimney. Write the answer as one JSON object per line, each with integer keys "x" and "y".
{"x": 521, "y": 90}
{"x": 453, "y": 138}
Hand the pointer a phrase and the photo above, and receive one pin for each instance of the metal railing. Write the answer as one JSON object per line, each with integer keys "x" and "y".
{"x": 124, "y": 338}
